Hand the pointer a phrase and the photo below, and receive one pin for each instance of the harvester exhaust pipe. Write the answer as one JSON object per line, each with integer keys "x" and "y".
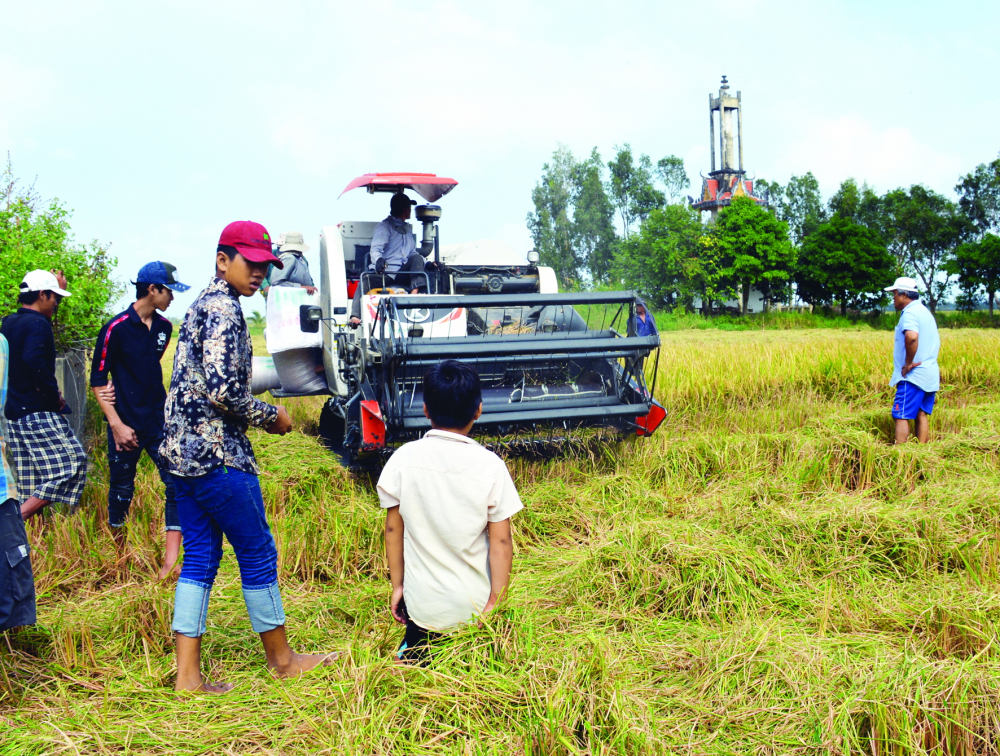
{"x": 428, "y": 215}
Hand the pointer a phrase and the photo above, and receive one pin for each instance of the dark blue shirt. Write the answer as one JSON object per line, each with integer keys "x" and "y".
{"x": 645, "y": 327}
{"x": 131, "y": 352}
{"x": 32, "y": 366}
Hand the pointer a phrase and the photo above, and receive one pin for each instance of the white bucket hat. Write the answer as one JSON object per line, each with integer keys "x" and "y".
{"x": 41, "y": 280}
{"x": 293, "y": 241}
{"x": 903, "y": 284}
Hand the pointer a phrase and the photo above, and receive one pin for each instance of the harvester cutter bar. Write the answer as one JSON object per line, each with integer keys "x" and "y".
{"x": 457, "y": 347}
{"x": 526, "y": 417}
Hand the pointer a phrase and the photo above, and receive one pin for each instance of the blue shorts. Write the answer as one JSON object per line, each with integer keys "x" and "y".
{"x": 911, "y": 399}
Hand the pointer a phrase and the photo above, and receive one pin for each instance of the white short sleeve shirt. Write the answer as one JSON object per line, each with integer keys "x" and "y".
{"x": 927, "y": 375}
{"x": 447, "y": 488}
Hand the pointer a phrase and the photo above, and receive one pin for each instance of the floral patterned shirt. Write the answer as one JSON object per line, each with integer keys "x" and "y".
{"x": 209, "y": 405}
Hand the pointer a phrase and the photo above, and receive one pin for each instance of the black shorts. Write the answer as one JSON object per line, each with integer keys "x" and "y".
{"x": 417, "y": 643}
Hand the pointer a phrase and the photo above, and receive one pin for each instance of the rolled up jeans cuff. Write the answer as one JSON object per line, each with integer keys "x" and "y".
{"x": 264, "y": 606}
{"x": 190, "y": 608}
{"x": 168, "y": 528}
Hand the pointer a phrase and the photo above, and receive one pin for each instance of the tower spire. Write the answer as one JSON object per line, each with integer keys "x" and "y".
{"x": 728, "y": 180}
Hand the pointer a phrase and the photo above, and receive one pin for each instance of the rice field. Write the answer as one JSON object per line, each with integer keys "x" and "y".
{"x": 766, "y": 575}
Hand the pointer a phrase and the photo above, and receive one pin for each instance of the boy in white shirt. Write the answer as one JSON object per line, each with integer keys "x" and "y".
{"x": 447, "y": 528}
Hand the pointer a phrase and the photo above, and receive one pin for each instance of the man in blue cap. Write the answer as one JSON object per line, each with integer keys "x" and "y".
{"x": 130, "y": 347}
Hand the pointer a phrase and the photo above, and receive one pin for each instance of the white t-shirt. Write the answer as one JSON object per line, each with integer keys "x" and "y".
{"x": 447, "y": 488}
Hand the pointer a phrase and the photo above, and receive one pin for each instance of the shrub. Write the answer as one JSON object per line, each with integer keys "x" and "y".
{"x": 33, "y": 235}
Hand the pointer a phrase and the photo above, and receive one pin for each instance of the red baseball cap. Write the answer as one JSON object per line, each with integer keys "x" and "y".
{"x": 252, "y": 241}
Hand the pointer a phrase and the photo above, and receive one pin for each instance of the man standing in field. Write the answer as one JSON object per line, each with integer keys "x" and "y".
{"x": 915, "y": 368}
{"x": 208, "y": 410}
{"x": 50, "y": 461}
{"x": 130, "y": 347}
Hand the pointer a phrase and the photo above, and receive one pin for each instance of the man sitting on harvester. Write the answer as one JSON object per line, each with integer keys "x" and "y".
{"x": 393, "y": 250}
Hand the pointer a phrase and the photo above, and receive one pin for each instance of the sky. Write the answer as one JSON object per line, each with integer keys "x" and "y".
{"x": 158, "y": 123}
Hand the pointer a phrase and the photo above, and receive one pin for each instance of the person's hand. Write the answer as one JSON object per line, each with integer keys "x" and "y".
{"x": 62, "y": 403}
{"x": 355, "y": 322}
{"x": 310, "y": 289}
{"x": 380, "y": 265}
{"x": 282, "y": 423}
{"x": 907, "y": 368}
{"x": 107, "y": 393}
{"x": 491, "y": 603}
{"x": 60, "y": 278}
{"x": 125, "y": 438}
{"x": 397, "y": 596}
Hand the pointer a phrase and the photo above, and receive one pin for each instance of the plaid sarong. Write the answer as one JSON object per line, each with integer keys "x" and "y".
{"x": 49, "y": 460}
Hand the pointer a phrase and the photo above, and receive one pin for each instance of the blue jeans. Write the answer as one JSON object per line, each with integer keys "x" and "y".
{"x": 121, "y": 480}
{"x": 225, "y": 501}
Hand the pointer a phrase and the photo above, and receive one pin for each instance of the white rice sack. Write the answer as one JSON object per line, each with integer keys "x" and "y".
{"x": 297, "y": 370}
{"x": 263, "y": 376}
{"x": 283, "y": 331}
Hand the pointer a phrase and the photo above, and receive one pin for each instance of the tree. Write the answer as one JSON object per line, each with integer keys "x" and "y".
{"x": 758, "y": 246}
{"x": 977, "y": 265}
{"x": 859, "y": 204}
{"x": 922, "y": 230}
{"x": 979, "y": 197}
{"x": 665, "y": 260}
{"x": 551, "y": 224}
{"x": 774, "y": 193}
{"x": 843, "y": 261}
{"x": 670, "y": 170}
{"x": 34, "y": 235}
{"x": 593, "y": 228}
{"x": 803, "y": 208}
{"x": 631, "y": 187}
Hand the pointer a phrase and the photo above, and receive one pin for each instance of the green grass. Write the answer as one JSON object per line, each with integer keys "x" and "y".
{"x": 766, "y": 575}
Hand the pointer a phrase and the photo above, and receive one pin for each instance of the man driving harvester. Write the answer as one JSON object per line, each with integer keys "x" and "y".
{"x": 393, "y": 250}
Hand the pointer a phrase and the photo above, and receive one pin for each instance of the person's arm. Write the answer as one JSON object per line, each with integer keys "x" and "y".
{"x": 910, "y": 339}
{"x": 104, "y": 352}
{"x": 379, "y": 239}
{"x": 501, "y": 560}
{"x": 220, "y": 334}
{"x": 39, "y": 354}
{"x": 394, "y": 556}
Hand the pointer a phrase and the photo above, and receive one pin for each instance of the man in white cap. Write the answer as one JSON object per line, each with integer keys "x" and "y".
{"x": 50, "y": 461}
{"x": 915, "y": 368}
{"x": 296, "y": 270}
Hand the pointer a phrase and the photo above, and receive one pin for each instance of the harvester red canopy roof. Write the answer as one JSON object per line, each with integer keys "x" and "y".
{"x": 428, "y": 185}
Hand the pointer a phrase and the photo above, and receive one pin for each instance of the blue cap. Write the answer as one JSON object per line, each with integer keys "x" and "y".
{"x": 160, "y": 273}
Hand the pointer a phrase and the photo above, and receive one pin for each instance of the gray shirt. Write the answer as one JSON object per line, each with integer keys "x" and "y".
{"x": 394, "y": 241}
{"x": 295, "y": 272}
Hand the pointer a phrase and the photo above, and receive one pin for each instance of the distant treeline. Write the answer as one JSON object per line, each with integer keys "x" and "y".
{"x": 628, "y": 224}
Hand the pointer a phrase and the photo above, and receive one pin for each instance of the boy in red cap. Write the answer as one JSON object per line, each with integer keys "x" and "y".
{"x": 206, "y": 449}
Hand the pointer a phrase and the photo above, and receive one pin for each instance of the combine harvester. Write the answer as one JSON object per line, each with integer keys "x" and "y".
{"x": 551, "y": 364}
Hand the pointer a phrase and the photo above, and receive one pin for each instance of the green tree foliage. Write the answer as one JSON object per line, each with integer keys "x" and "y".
{"x": 631, "y": 187}
{"x": 859, "y": 204}
{"x": 979, "y": 197}
{"x": 774, "y": 193}
{"x": 593, "y": 228}
{"x": 803, "y": 208}
{"x": 666, "y": 259}
{"x": 672, "y": 174}
{"x": 757, "y": 244}
{"x": 843, "y": 261}
{"x": 35, "y": 235}
{"x": 977, "y": 265}
{"x": 922, "y": 230}
{"x": 551, "y": 224}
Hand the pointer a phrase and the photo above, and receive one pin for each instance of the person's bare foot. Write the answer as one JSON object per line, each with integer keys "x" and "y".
{"x": 300, "y": 663}
{"x": 202, "y": 687}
